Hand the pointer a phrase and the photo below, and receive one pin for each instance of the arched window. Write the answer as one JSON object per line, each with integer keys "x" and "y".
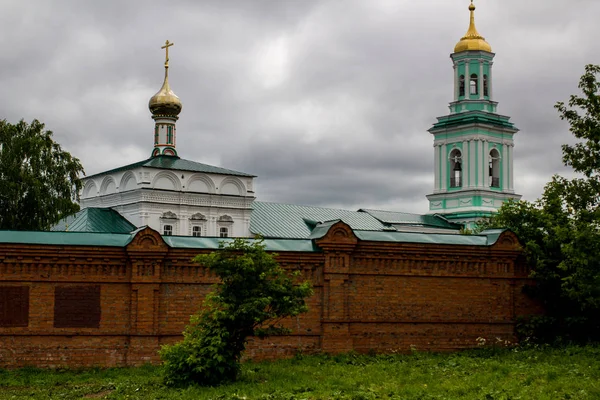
{"x": 494, "y": 164}
{"x": 196, "y": 231}
{"x": 455, "y": 169}
{"x": 223, "y": 232}
{"x": 167, "y": 230}
{"x": 461, "y": 85}
{"x": 485, "y": 86}
{"x": 474, "y": 87}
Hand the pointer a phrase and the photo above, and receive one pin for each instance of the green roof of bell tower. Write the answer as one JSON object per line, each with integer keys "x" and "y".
{"x": 458, "y": 120}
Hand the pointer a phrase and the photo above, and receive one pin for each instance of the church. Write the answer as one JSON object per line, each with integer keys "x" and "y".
{"x": 112, "y": 283}
{"x": 473, "y": 174}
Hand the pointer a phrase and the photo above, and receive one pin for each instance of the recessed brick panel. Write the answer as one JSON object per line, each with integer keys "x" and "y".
{"x": 77, "y": 306}
{"x": 14, "y": 306}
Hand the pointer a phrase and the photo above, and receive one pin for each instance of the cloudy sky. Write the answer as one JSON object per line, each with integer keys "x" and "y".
{"x": 327, "y": 101}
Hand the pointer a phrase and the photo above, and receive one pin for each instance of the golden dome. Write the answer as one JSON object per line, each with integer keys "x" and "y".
{"x": 472, "y": 41}
{"x": 165, "y": 102}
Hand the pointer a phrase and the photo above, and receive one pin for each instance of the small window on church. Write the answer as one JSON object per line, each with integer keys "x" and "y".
{"x": 168, "y": 230}
{"x": 485, "y": 86}
{"x": 224, "y": 232}
{"x": 169, "y": 134}
{"x": 474, "y": 85}
{"x": 156, "y": 135}
{"x": 461, "y": 85}
{"x": 196, "y": 231}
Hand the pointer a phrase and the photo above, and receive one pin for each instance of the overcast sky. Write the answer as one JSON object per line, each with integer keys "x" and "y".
{"x": 327, "y": 101}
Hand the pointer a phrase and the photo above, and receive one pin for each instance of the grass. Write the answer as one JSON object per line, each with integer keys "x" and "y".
{"x": 488, "y": 374}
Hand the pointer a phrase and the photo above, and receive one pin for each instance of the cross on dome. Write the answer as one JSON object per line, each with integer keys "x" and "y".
{"x": 166, "y": 47}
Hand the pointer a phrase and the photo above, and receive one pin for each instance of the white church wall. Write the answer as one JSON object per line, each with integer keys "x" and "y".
{"x": 144, "y": 195}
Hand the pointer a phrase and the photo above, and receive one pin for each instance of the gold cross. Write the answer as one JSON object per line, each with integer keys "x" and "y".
{"x": 166, "y": 47}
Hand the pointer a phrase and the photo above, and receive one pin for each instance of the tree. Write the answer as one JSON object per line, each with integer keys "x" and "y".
{"x": 39, "y": 182}
{"x": 561, "y": 230}
{"x": 253, "y": 297}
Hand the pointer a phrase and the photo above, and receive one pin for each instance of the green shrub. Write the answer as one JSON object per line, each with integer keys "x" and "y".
{"x": 254, "y": 295}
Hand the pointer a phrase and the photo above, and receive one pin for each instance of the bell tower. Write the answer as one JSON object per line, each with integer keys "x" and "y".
{"x": 473, "y": 145}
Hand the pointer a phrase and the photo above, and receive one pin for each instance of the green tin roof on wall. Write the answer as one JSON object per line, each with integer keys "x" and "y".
{"x": 401, "y": 218}
{"x": 277, "y": 245}
{"x": 66, "y": 238}
{"x": 176, "y": 163}
{"x": 276, "y": 220}
{"x": 486, "y": 238}
{"x": 104, "y": 220}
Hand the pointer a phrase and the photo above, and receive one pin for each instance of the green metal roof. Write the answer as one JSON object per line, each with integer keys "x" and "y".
{"x": 401, "y": 218}
{"x": 275, "y": 220}
{"x": 486, "y": 238}
{"x": 104, "y": 220}
{"x": 66, "y": 238}
{"x": 176, "y": 163}
{"x": 278, "y": 245}
{"x": 473, "y": 117}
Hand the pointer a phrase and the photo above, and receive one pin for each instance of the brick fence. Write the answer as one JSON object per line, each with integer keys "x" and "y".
{"x": 81, "y": 306}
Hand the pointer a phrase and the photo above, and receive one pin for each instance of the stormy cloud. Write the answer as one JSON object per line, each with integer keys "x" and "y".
{"x": 327, "y": 101}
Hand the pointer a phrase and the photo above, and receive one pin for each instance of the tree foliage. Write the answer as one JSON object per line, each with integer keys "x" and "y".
{"x": 255, "y": 294}
{"x": 39, "y": 182}
{"x": 561, "y": 230}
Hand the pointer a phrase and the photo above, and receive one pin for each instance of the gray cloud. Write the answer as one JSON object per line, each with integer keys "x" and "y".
{"x": 327, "y": 101}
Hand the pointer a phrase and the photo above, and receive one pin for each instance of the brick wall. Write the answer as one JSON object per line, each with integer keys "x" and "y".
{"x": 104, "y": 306}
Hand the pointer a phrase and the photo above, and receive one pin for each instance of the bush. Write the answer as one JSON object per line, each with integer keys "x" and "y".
{"x": 254, "y": 295}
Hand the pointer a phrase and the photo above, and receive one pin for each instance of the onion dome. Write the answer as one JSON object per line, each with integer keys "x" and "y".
{"x": 472, "y": 41}
{"x": 165, "y": 102}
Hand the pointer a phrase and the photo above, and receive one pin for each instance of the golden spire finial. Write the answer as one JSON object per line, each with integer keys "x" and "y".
{"x": 165, "y": 102}
{"x": 472, "y": 39}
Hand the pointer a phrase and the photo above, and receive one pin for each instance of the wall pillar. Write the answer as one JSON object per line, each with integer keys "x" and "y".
{"x": 465, "y": 164}
{"x": 146, "y": 253}
{"x": 436, "y": 168}
{"x": 467, "y": 83}
{"x": 444, "y": 161}
{"x": 511, "y": 183}
{"x": 338, "y": 245}
{"x": 490, "y": 80}
{"x": 456, "y": 82}
{"x": 505, "y": 169}
{"x": 480, "y": 164}
{"x": 480, "y": 80}
{"x": 472, "y": 162}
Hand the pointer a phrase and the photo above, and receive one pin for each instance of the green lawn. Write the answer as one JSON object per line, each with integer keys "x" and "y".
{"x": 542, "y": 373}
